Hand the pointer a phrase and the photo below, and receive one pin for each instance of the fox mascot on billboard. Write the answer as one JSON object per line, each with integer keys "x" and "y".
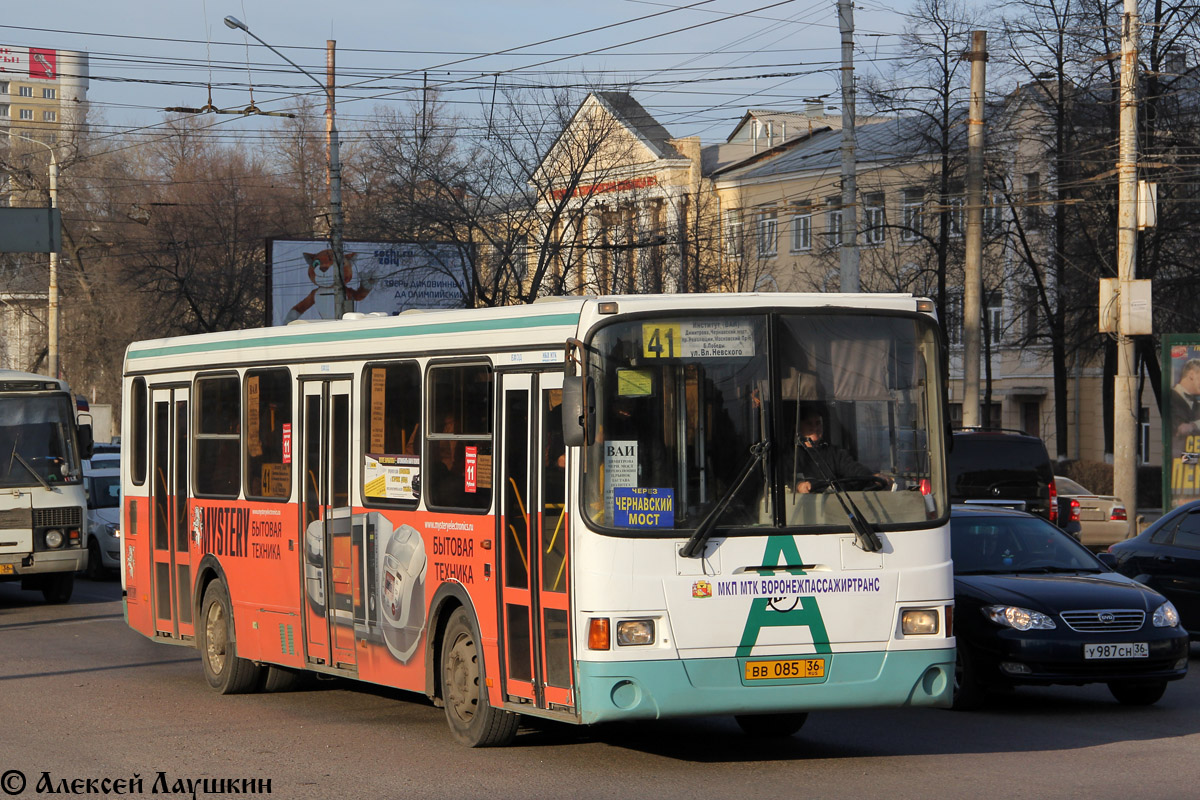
{"x": 322, "y": 273}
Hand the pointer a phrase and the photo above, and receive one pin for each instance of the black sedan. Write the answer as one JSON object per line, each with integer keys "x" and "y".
{"x": 1166, "y": 557}
{"x": 1035, "y": 607}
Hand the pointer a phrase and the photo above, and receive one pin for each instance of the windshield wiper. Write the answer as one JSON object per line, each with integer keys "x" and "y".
{"x": 20, "y": 458}
{"x": 694, "y": 547}
{"x": 864, "y": 535}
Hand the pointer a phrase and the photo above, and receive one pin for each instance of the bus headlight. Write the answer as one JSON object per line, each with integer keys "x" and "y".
{"x": 632, "y": 632}
{"x": 54, "y": 538}
{"x": 919, "y": 621}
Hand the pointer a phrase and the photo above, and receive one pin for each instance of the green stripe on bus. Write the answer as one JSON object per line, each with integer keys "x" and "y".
{"x": 467, "y": 326}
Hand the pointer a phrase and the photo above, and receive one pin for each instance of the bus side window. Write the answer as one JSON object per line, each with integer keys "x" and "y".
{"x": 391, "y": 441}
{"x": 459, "y": 437}
{"x": 268, "y": 425}
{"x": 217, "y": 453}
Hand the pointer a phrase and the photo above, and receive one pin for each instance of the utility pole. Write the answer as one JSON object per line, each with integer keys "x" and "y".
{"x": 973, "y": 266}
{"x": 849, "y": 248}
{"x": 1125, "y": 411}
{"x": 340, "y": 304}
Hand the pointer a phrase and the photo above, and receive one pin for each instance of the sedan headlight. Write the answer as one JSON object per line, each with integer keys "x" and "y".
{"x": 112, "y": 529}
{"x": 1165, "y": 616}
{"x": 1021, "y": 619}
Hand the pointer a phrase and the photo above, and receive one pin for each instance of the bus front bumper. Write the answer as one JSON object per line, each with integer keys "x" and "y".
{"x": 42, "y": 563}
{"x": 623, "y": 690}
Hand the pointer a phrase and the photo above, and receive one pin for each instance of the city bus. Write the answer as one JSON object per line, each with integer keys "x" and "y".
{"x": 43, "y": 501}
{"x": 589, "y": 509}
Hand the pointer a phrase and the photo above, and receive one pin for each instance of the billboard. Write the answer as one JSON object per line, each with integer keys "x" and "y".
{"x": 387, "y": 277}
{"x": 38, "y": 63}
{"x": 1181, "y": 420}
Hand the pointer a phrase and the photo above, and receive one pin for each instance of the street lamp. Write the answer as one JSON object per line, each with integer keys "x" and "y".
{"x": 335, "y": 177}
{"x": 52, "y": 300}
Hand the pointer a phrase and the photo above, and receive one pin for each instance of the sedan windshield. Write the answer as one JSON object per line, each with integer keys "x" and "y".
{"x": 983, "y": 544}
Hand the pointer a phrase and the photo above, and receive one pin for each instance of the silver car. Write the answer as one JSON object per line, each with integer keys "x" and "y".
{"x": 1103, "y": 519}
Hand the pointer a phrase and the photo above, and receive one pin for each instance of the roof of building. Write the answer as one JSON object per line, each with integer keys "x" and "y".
{"x": 631, "y": 113}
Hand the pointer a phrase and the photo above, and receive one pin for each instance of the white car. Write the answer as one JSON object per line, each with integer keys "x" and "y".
{"x": 1102, "y": 518}
{"x": 104, "y": 519}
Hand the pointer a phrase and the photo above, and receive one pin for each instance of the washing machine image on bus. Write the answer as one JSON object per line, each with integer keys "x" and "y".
{"x": 402, "y": 591}
{"x": 314, "y": 565}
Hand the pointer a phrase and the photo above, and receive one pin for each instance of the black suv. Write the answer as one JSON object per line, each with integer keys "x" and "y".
{"x": 1003, "y": 468}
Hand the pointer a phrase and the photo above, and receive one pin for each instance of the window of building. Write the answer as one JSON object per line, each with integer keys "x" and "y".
{"x": 26, "y": 113}
{"x": 954, "y": 317}
{"x": 5, "y": 110}
{"x": 49, "y": 94}
{"x": 956, "y": 218}
{"x": 876, "y": 224}
{"x": 802, "y": 230}
{"x": 994, "y": 213}
{"x": 25, "y": 91}
{"x": 1033, "y": 200}
{"x": 459, "y": 437}
{"x": 990, "y": 417}
{"x": 1032, "y": 312}
{"x": 768, "y": 230}
{"x": 994, "y": 309}
{"x": 49, "y": 116}
{"x": 268, "y": 439}
{"x": 833, "y": 221}
{"x": 392, "y": 414}
{"x": 914, "y": 217}
{"x": 218, "y": 454}
{"x": 733, "y": 232}
{"x": 4, "y": 87}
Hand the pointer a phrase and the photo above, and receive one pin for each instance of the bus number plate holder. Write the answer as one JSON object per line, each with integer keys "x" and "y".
{"x": 785, "y": 669}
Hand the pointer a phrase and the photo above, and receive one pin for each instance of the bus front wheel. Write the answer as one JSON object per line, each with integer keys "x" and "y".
{"x": 57, "y": 588}
{"x": 472, "y": 720}
{"x": 223, "y": 670}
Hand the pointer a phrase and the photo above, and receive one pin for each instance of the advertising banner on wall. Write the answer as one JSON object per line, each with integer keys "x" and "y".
{"x": 1181, "y": 419}
{"x": 38, "y": 63}
{"x": 387, "y": 277}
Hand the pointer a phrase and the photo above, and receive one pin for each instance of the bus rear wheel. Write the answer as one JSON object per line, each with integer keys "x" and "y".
{"x": 472, "y": 720}
{"x": 771, "y": 726}
{"x": 223, "y": 669}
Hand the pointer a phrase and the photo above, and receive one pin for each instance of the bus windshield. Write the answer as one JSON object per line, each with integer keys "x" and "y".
{"x": 37, "y": 441}
{"x": 812, "y": 404}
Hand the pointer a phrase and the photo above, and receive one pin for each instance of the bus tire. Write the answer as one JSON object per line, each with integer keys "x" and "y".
{"x": 57, "y": 588}
{"x": 283, "y": 679}
{"x": 95, "y": 566}
{"x": 223, "y": 669}
{"x": 473, "y": 721}
{"x": 771, "y": 726}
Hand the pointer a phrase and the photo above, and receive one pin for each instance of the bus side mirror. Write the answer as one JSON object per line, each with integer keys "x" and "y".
{"x": 579, "y": 411}
{"x": 86, "y": 442}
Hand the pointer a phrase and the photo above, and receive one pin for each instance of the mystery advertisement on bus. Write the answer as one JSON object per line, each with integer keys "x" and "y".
{"x": 387, "y": 277}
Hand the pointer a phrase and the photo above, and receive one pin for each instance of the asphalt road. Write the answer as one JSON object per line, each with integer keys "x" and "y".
{"x": 84, "y": 697}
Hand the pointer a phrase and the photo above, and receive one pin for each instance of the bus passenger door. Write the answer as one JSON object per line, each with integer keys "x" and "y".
{"x": 533, "y": 544}
{"x": 326, "y": 520}
{"x": 171, "y": 576}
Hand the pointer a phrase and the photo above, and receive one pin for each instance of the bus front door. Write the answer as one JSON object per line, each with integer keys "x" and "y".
{"x": 171, "y": 577}
{"x": 534, "y": 617}
{"x": 329, "y": 573}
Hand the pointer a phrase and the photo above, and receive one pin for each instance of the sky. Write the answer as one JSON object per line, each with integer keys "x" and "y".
{"x": 696, "y": 65}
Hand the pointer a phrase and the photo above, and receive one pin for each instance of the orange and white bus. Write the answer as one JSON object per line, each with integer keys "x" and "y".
{"x": 590, "y": 509}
